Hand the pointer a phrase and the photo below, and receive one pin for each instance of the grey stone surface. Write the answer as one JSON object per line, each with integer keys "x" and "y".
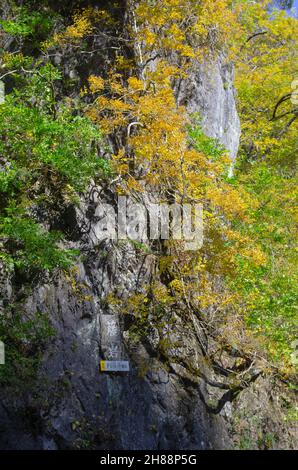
{"x": 80, "y": 406}
{"x": 210, "y": 92}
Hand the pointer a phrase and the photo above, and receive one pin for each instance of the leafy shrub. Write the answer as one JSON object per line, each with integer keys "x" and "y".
{"x": 33, "y": 140}
{"x": 24, "y": 339}
{"x": 27, "y": 24}
{"x": 33, "y": 247}
{"x": 47, "y": 154}
{"x": 202, "y": 143}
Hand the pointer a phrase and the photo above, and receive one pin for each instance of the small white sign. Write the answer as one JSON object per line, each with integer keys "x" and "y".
{"x": 2, "y": 353}
{"x": 114, "y": 366}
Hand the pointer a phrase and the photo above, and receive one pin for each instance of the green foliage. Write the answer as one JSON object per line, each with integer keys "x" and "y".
{"x": 24, "y": 339}
{"x": 202, "y": 143}
{"x": 64, "y": 145}
{"x": 267, "y": 163}
{"x": 28, "y": 24}
{"x": 47, "y": 155}
{"x": 16, "y": 61}
{"x": 38, "y": 87}
{"x": 270, "y": 292}
{"x": 33, "y": 247}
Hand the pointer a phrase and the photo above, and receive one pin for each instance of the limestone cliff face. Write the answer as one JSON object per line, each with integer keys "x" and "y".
{"x": 159, "y": 404}
{"x": 148, "y": 408}
{"x": 209, "y": 91}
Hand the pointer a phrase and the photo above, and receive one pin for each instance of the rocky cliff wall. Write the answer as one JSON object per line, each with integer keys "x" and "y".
{"x": 155, "y": 405}
{"x": 159, "y": 404}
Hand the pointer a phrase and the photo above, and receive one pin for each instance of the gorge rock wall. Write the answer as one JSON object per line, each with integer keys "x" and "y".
{"x": 154, "y": 406}
{"x": 159, "y": 404}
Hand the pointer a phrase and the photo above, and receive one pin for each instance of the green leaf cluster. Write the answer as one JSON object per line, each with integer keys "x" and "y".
{"x": 28, "y": 24}
{"x": 24, "y": 339}
{"x": 48, "y": 154}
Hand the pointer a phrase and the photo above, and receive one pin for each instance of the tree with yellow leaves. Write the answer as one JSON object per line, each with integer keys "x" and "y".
{"x": 161, "y": 150}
